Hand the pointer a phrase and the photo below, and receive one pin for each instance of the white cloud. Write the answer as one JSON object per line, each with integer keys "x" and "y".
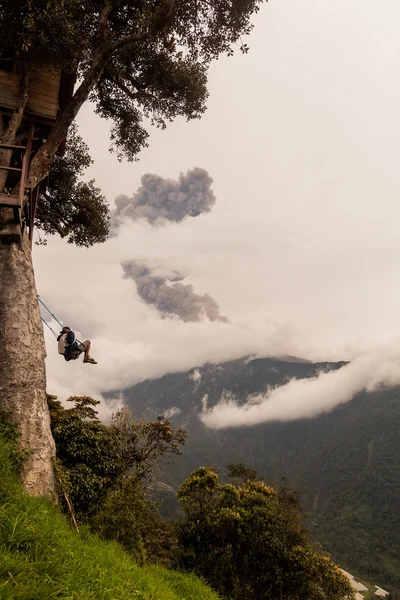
{"x": 195, "y": 376}
{"x": 306, "y": 398}
{"x": 301, "y": 249}
{"x": 170, "y": 412}
{"x": 204, "y": 403}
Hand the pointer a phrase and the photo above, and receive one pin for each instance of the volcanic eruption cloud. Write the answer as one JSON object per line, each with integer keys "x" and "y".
{"x": 170, "y": 296}
{"x": 160, "y": 200}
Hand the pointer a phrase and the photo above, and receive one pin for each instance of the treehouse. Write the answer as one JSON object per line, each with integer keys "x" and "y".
{"x": 44, "y": 91}
{"x": 48, "y": 93}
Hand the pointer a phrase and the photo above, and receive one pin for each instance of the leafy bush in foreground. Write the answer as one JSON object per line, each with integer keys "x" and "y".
{"x": 248, "y": 542}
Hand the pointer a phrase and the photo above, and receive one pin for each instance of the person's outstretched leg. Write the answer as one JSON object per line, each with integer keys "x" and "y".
{"x": 87, "y": 358}
{"x": 88, "y": 345}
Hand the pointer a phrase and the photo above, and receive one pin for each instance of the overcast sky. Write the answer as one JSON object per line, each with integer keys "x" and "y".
{"x": 301, "y": 250}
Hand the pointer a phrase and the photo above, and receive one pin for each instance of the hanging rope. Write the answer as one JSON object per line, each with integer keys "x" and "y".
{"x": 48, "y": 310}
{"x": 54, "y": 317}
{"x": 51, "y": 329}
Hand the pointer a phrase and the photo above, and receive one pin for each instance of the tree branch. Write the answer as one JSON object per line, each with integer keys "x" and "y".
{"x": 17, "y": 116}
{"x": 157, "y": 27}
{"x": 129, "y": 39}
{"x": 132, "y": 95}
{"x": 62, "y": 231}
{"x": 103, "y": 22}
{"x": 54, "y": 212}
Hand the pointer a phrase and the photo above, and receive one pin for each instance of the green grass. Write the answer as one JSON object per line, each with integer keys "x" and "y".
{"x": 42, "y": 558}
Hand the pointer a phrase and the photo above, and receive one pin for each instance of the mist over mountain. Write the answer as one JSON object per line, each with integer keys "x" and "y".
{"x": 344, "y": 463}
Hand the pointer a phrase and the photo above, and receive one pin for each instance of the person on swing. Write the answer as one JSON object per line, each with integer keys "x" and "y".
{"x": 71, "y": 348}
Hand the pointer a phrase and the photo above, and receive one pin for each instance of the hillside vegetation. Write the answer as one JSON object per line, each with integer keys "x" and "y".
{"x": 344, "y": 464}
{"x": 42, "y": 558}
{"x": 246, "y": 539}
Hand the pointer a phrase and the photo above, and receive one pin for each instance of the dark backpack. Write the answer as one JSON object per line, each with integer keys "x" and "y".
{"x": 70, "y": 338}
{"x": 71, "y": 346}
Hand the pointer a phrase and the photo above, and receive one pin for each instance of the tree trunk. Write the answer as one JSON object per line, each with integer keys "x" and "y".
{"x": 22, "y": 366}
{"x": 22, "y": 348}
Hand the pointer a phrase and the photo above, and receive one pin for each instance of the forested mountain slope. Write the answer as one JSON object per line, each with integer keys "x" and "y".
{"x": 345, "y": 464}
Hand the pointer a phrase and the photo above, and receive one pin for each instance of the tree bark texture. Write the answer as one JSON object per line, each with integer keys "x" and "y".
{"x": 22, "y": 366}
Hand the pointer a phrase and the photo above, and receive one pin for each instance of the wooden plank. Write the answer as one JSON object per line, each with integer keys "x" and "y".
{"x": 38, "y": 120}
{"x": 45, "y": 109}
{"x": 9, "y": 77}
{"x": 8, "y": 88}
{"x": 6, "y": 104}
{"x": 8, "y": 91}
{"x": 3, "y": 168}
{"x": 8, "y": 95}
{"x": 44, "y": 92}
{"x": 52, "y": 84}
{"x": 10, "y": 234}
{"x": 42, "y": 96}
{"x": 45, "y": 85}
{"x": 39, "y": 80}
{"x": 43, "y": 105}
{"x": 49, "y": 112}
{"x": 9, "y": 200}
{"x": 49, "y": 74}
{"x": 10, "y": 147}
{"x": 42, "y": 76}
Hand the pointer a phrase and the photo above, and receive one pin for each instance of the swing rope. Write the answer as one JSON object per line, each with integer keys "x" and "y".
{"x": 54, "y": 317}
{"x": 48, "y": 310}
{"x": 51, "y": 329}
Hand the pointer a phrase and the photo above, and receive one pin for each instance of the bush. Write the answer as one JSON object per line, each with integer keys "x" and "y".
{"x": 248, "y": 542}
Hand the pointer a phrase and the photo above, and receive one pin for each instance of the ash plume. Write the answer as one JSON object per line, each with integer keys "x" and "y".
{"x": 170, "y": 296}
{"x": 160, "y": 200}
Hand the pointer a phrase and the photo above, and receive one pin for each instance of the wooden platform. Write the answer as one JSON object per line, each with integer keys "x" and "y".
{"x": 10, "y": 201}
{"x": 44, "y": 92}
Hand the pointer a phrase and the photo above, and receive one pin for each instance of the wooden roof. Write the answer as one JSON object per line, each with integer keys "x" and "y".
{"x": 44, "y": 91}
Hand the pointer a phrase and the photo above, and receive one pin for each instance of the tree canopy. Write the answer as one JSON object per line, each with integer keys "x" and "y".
{"x": 75, "y": 209}
{"x": 138, "y": 61}
{"x": 94, "y": 458}
{"x": 104, "y": 474}
{"x": 248, "y": 541}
